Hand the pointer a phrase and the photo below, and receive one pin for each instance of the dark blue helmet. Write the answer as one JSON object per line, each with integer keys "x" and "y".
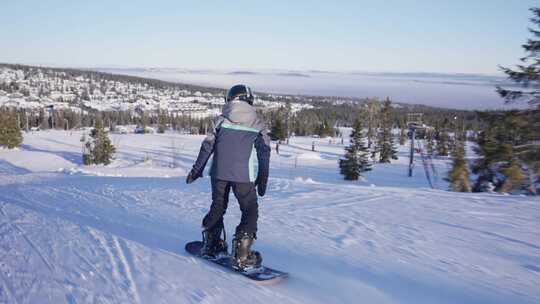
{"x": 241, "y": 92}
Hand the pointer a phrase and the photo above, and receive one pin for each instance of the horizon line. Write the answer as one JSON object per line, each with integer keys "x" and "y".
{"x": 240, "y": 69}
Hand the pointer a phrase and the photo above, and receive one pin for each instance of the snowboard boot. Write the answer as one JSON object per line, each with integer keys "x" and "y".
{"x": 213, "y": 245}
{"x": 243, "y": 258}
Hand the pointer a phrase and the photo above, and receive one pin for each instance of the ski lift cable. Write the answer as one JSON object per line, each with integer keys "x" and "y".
{"x": 426, "y": 166}
{"x": 424, "y": 163}
{"x": 434, "y": 170}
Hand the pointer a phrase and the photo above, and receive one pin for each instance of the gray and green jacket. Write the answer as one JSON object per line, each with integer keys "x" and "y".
{"x": 237, "y": 134}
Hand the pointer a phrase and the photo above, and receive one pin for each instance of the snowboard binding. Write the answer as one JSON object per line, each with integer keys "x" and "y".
{"x": 214, "y": 247}
{"x": 243, "y": 258}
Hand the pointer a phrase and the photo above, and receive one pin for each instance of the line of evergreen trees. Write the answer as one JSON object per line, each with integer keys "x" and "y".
{"x": 68, "y": 119}
{"x": 505, "y": 142}
{"x": 509, "y": 158}
{"x": 325, "y": 118}
{"x": 378, "y": 121}
{"x": 507, "y": 154}
{"x": 509, "y": 142}
{"x": 506, "y": 146}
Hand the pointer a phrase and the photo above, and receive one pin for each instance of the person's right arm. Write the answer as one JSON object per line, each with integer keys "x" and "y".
{"x": 262, "y": 145}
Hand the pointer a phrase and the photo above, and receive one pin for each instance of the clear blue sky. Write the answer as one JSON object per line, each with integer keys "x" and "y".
{"x": 472, "y": 36}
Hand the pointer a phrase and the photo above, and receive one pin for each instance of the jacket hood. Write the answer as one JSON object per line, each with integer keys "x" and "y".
{"x": 240, "y": 112}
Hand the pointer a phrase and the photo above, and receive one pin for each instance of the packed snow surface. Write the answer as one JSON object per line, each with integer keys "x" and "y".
{"x": 115, "y": 234}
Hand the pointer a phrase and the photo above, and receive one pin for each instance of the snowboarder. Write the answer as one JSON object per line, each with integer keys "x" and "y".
{"x": 234, "y": 135}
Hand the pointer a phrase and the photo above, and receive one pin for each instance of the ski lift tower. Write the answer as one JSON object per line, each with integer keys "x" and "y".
{"x": 414, "y": 122}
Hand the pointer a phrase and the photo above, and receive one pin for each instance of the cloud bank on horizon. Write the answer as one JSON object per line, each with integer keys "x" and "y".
{"x": 457, "y": 91}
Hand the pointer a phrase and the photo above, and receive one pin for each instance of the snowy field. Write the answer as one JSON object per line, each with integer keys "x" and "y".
{"x": 76, "y": 234}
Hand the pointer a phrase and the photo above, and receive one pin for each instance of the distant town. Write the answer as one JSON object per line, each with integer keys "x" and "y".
{"x": 38, "y": 88}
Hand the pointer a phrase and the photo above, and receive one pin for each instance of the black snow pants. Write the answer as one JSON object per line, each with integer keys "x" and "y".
{"x": 246, "y": 195}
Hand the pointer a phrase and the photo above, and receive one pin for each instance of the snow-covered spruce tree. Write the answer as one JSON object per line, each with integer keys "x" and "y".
{"x": 10, "y": 132}
{"x": 526, "y": 76}
{"x": 372, "y": 109}
{"x": 497, "y": 158}
{"x": 99, "y": 146}
{"x": 278, "y": 130}
{"x": 162, "y": 122}
{"x": 458, "y": 176}
{"x": 485, "y": 165}
{"x": 514, "y": 176}
{"x": 443, "y": 140}
{"x": 325, "y": 129}
{"x": 356, "y": 159}
{"x": 385, "y": 140}
{"x": 161, "y": 129}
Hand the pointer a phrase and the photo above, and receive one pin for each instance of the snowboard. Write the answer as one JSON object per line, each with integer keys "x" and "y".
{"x": 261, "y": 275}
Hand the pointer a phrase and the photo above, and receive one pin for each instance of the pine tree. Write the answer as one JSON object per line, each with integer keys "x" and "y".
{"x": 459, "y": 174}
{"x": 43, "y": 119}
{"x": 10, "y": 132}
{"x": 287, "y": 112}
{"x": 278, "y": 129}
{"x": 403, "y": 134}
{"x": 443, "y": 139}
{"x": 144, "y": 121}
{"x": 385, "y": 140}
{"x": 527, "y": 76}
{"x": 99, "y": 146}
{"x": 496, "y": 152}
{"x": 484, "y": 166}
{"x": 514, "y": 177}
{"x": 162, "y": 122}
{"x": 372, "y": 119}
{"x": 356, "y": 158}
{"x": 443, "y": 148}
{"x": 325, "y": 129}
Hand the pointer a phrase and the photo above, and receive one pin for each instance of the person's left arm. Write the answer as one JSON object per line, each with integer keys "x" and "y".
{"x": 207, "y": 148}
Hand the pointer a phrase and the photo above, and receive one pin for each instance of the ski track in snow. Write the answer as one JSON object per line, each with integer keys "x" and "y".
{"x": 74, "y": 237}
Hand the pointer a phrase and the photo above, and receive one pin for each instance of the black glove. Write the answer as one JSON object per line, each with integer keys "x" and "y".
{"x": 261, "y": 182}
{"x": 192, "y": 176}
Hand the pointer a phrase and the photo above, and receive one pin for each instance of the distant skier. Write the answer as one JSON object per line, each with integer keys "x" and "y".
{"x": 235, "y": 133}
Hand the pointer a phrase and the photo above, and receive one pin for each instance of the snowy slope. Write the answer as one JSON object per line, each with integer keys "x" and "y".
{"x": 115, "y": 234}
